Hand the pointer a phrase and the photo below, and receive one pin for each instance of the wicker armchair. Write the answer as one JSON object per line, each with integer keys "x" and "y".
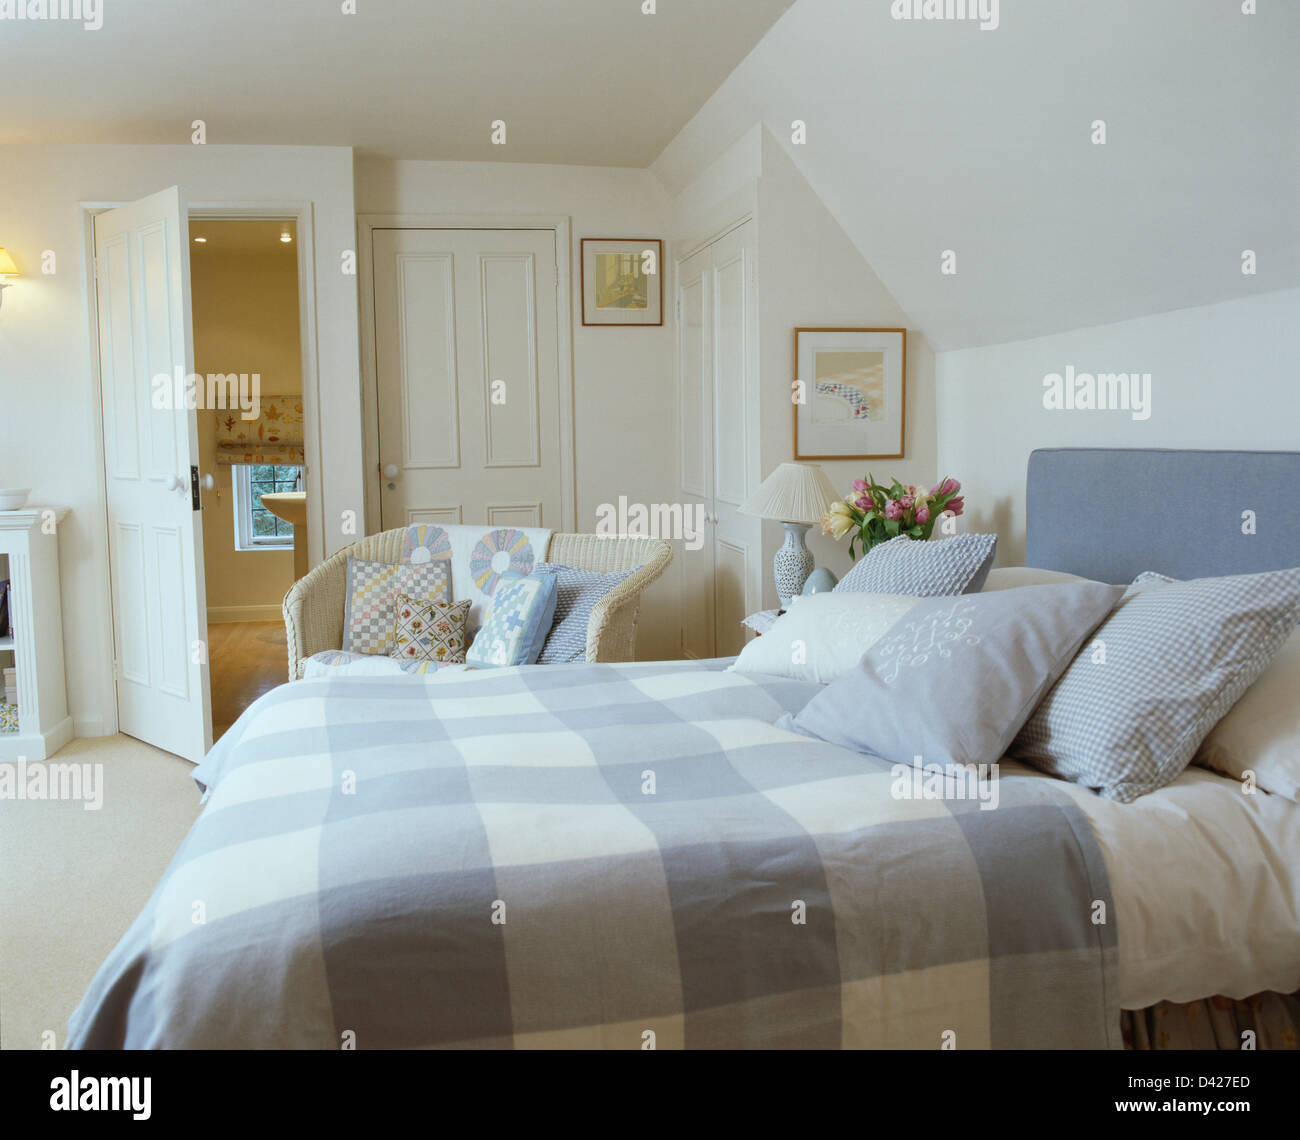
{"x": 314, "y": 605}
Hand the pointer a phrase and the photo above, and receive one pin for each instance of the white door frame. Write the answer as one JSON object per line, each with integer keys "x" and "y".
{"x": 562, "y": 228}
{"x": 299, "y": 212}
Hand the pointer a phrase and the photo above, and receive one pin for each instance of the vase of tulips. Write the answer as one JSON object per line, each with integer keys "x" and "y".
{"x": 875, "y": 512}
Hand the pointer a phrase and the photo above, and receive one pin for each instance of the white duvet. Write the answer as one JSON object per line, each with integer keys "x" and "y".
{"x": 1206, "y": 888}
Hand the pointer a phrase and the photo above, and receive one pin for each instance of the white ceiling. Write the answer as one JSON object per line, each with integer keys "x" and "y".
{"x": 928, "y": 136}
{"x": 590, "y": 82}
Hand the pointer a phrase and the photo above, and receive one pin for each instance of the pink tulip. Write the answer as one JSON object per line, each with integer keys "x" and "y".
{"x": 955, "y": 506}
{"x": 860, "y": 484}
{"x": 893, "y": 509}
{"x": 907, "y": 502}
{"x": 923, "y": 515}
{"x": 949, "y": 486}
{"x": 864, "y": 503}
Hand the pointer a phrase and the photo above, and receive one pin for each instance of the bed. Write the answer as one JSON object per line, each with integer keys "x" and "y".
{"x": 634, "y": 856}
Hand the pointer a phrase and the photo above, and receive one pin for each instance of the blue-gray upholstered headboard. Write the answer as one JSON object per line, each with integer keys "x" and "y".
{"x": 1110, "y": 513}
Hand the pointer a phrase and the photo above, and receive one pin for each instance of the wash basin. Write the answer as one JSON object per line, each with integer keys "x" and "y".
{"x": 292, "y": 507}
{"x": 288, "y": 505}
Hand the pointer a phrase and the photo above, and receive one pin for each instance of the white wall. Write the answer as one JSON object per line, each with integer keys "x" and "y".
{"x": 1222, "y": 376}
{"x": 48, "y": 410}
{"x": 622, "y": 377}
{"x": 810, "y": 274}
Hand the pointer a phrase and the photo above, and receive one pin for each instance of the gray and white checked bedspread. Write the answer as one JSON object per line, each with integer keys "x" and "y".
{"x": 364, "y": 839}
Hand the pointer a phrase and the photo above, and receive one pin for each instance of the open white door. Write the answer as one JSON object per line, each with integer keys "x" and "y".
{"x": 155, "y": 542}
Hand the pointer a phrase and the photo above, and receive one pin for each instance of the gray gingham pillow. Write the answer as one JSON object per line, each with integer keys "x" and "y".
{"x": 956, "y": 565}
{"x": 1130, "y": 712}
{"x": 578, "y": 591}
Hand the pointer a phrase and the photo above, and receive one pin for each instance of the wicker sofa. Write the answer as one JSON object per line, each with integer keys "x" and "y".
{"x": 314, "y": 605}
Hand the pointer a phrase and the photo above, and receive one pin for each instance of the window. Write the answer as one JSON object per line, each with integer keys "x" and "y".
{"x": 256, "y": 528}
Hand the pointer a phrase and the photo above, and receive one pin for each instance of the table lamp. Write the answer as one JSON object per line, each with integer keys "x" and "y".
{"x": 796, "y": 495}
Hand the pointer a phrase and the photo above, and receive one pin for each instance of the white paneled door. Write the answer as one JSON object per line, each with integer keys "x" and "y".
{"x": 718, "y": 377}
{"x": 467, "y": 369}
{"x": 155, "y": 540}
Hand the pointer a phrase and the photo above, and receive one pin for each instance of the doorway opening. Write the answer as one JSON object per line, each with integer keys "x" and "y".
{"x": 245, "y": 300}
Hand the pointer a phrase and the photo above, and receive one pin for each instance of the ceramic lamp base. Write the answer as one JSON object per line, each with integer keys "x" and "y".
{"x": 792, "y": 564}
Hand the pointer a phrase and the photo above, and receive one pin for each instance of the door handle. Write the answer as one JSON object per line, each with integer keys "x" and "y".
{"x": 206, "y": 482}
{"x": 390, "y": 471}
{"x": 175, "y": 482}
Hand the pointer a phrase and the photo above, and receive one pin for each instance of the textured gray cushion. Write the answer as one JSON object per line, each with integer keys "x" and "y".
{"x": 1132, "y": 709}
{"x": 948, "y": 566}
{"x": 954, "y": 680}
{"x": 578, "y": 593}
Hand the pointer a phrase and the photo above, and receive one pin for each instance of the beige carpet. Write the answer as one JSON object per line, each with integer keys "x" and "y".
{"x": 72, "y": 881}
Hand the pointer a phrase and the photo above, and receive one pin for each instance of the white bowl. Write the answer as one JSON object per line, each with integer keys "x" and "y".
{"x": 11, "y": 498}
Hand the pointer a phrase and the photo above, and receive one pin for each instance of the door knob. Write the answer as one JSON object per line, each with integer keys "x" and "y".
{"x": 206, "y": 482}
{"x": 390, "y": 471}
{"x": 174, "y": 483}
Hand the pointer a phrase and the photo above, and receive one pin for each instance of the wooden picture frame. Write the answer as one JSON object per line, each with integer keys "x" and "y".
{"x": 866, "y": 368}
{"x": 617, "y": 292}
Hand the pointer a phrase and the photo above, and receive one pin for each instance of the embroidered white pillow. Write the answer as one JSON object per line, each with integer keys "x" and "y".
{"x": 822, "y": 636}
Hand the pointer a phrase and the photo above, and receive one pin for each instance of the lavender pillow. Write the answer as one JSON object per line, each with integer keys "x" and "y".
{"x": 953, "y": 681}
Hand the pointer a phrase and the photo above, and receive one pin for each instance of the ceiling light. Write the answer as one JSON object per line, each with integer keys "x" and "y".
{"x": 201, "y": 240}
{"x": 286, "y": 237}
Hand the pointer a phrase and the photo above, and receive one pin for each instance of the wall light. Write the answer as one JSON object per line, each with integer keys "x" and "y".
{"x": 8, "y": 271}
{"x": 201, "y": 240}
{"x": 286, "y": 237}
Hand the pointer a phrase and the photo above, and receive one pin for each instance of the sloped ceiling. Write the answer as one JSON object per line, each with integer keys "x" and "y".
{"x": 932, "y": 135}
{"x": 589, "y": 82}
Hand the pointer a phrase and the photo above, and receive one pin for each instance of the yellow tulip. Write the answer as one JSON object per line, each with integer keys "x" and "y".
{"x": 839, "y": 520}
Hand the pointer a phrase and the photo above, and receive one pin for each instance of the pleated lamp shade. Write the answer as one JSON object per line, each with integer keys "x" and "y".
{"x": 7, "y": 266}
{"x": 794, "y": 492}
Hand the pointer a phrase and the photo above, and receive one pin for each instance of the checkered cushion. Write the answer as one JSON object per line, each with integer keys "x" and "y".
{"x": 577, "y": 592}
{"x": 429, "y": 631}
{"x": 372, "y": 595}
{"x": 518, "y": 619}
{"x": 1156, "y": 677}
{"x": 956, "y": 565}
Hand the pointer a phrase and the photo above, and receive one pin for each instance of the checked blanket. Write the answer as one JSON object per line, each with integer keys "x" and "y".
{"x": 599, "y": 855}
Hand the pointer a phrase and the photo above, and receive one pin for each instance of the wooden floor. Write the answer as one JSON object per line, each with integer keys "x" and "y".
{"x": 246, "y": 659}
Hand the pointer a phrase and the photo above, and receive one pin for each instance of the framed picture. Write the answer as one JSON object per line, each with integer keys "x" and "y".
{"x": 622, "y": 281}
{"x": 850, "y": 396}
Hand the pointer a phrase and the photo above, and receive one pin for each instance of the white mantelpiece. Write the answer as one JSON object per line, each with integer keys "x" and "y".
{"x": 30, "y": 539}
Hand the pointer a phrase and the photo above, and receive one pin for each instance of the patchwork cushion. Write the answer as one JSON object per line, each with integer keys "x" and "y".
{"x": 518, "y": 619}
{"x": 429, "y": 631}
{"x": 956, "y": 565}
{"x": 372, "y": 595}
{"x": 1129, "y": 714}
{"x": 476, "y": 558}
{"x": 953, "y": 680}
{"x": 577, "y": 592}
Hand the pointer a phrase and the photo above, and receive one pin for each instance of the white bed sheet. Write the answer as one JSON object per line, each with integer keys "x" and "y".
{"x": 1206, "y": 888}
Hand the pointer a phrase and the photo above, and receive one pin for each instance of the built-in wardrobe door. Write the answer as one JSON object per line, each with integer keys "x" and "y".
{"x": 735, "y": 537}
{"x": 467, "y": 368}
{"x": 695, "y": 431}
{"x": 717, "y": 370}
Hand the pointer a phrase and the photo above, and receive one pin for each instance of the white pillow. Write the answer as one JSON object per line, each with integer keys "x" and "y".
{"x": 1012, "y": 577}
{"x": 1261, "y": 732}
{"x": 823, "y": 635}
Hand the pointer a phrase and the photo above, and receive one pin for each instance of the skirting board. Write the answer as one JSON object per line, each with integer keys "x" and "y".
{"x": 219, "y": 615}
{"x": 35, "y": 746}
